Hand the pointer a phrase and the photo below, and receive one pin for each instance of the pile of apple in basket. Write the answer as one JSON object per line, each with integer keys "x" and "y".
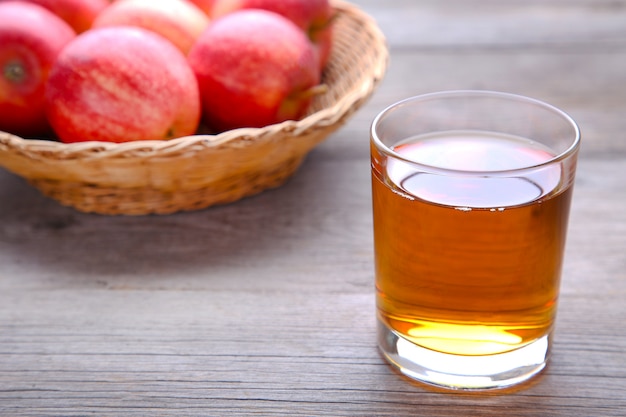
{"x": 129, "y": 70}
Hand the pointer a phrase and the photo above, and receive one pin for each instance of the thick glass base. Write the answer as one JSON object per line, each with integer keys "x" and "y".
{"x": 463, "y": 372}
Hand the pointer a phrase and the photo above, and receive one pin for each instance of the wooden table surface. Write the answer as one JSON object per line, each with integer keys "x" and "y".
{"x": 266, "y": 306}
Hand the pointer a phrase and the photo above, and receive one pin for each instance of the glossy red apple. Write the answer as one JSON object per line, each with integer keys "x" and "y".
{"x": 314, "y": 17}
{"x": 31, "y": 37}
{"x": 254, "y": 68}
{"x": 79, "y": 14}
{"x": 122, "y": 84}
{"x": 179, "y": 21}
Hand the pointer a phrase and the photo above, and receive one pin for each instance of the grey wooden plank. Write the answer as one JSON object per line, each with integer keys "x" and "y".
{"x": 135, "y": 358}
{"x": 555, "y": 25}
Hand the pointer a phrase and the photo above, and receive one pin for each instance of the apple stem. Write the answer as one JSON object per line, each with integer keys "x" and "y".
{"x": 314, "y": 29}
{"x": 314, "y": 91}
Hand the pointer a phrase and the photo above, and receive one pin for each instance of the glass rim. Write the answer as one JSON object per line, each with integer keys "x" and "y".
{"x": 571, "y": 149}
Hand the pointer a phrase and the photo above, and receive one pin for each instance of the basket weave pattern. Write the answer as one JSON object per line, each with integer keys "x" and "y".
{"x": 195, "y": 172}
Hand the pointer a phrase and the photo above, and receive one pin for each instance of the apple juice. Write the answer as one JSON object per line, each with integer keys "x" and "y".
{"x": 469, "y": 262}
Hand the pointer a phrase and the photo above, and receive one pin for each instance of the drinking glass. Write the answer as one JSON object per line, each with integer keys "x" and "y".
{"x": 471, "y": 197}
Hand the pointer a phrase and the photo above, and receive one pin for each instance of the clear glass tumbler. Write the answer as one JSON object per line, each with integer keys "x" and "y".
{"x": 471, "y": 197}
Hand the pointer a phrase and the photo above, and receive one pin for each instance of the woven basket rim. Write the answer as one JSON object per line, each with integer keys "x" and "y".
{"x": 55, "y": 150}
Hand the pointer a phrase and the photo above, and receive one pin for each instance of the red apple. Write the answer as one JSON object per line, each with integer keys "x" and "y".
{"x": 314, "y": 17}
{"x": 79, "y": 14}
{"x": 179, "y": 21}
{"x": 31, "y": 37}
{"x": 122, "y": 84}
{"x": 254, "y": 68}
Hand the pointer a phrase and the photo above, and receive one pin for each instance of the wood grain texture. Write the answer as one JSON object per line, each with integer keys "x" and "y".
{"x": 266, "y": 306}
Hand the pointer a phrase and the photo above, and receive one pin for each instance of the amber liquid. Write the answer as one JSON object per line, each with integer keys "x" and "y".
{"x": 469, "y": 265}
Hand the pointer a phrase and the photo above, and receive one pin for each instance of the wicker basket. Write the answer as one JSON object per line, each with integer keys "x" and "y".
{"x": 195, "y": 172}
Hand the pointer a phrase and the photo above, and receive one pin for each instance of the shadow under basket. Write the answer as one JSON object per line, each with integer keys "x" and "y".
{"x": 195, "y": 172}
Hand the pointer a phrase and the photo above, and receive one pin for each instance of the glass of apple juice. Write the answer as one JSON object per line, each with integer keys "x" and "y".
{"x": 471, "y": 193}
